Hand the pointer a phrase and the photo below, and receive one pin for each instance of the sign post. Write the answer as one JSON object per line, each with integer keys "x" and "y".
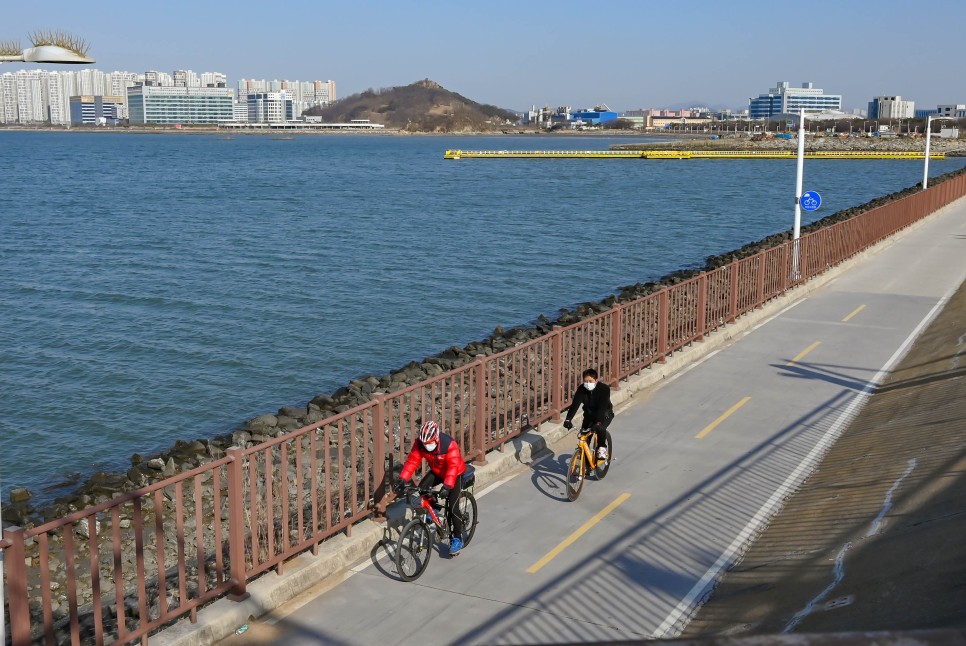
{"x": 799, "y": 169}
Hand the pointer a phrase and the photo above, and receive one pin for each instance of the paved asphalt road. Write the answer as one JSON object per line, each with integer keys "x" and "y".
{"x": 702, "y": 462}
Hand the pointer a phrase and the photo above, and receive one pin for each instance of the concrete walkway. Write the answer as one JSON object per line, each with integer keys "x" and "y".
{"x": 702, "y": 462}
{"x": 874, "y": 539}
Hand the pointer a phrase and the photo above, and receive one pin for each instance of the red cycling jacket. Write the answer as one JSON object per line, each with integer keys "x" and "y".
{"x": 446, "y": 461}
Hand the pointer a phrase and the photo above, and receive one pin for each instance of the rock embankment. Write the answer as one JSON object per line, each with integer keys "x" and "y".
{"x": 952, "y": 147}
{"x": 186, "y": 455}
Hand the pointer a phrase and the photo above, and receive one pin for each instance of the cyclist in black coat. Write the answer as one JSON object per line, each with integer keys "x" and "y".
{"x": 594, "y": 396}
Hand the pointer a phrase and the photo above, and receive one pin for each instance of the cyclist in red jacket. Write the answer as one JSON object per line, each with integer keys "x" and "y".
{"x": 446, "y": 465}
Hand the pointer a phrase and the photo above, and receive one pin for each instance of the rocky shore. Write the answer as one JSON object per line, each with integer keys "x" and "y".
{"x": 186, "y": 455}
{"x": 951, "y": 147}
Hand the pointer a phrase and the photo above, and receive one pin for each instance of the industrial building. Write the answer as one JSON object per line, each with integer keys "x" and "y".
{"x": 783, "y": 99}
{"x": 891, "y": 107}
{"x": 88, "y": 110}
{"x": 179, "y": 105}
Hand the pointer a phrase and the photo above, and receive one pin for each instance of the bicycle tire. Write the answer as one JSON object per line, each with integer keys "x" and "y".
{"x": 467, "y": 508}
{"x": 575, "y": 475}
{"x": 602, "y": 470}
{"x": 415, "y": 548}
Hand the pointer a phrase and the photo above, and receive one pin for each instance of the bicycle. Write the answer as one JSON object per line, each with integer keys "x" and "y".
{"x": 415, "y": 545}
{"x": 585, "y": 456}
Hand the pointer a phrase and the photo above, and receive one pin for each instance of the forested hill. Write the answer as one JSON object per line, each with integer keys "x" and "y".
{"x": 424, "y": 106}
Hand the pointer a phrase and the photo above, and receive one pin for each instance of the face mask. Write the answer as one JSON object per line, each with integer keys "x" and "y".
{"x": 430, "y": 447}
{"x": 590, "y": 385}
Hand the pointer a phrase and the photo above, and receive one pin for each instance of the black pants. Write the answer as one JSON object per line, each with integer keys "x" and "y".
{"x": 455, "y": 522}
{"x": 599, "y": 427}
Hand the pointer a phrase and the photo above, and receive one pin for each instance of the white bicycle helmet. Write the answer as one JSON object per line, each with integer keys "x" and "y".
{"x": 429, "y": 432}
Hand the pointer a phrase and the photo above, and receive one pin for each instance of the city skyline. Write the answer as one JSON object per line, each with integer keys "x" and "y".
{"x": 640, "y": 56}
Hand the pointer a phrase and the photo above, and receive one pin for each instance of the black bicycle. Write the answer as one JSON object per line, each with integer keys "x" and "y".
{"x": 415, "y": 545}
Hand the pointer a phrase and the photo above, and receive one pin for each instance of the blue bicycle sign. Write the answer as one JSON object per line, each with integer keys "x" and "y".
{"x": 810, "y": 201}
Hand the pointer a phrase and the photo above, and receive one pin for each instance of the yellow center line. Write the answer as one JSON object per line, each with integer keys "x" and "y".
{"x": 713, "y": 425}
{"x": 802, "y": 354}
{"x": 857, "y": 310}
{"x": 567, "y": 542}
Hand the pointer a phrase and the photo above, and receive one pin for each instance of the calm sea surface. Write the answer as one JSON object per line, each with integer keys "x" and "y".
{"x": 162, "y": 287}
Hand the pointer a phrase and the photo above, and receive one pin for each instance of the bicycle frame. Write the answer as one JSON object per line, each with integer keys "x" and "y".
{"x": 426, "y": 499}
{"x": 585, "y": 447}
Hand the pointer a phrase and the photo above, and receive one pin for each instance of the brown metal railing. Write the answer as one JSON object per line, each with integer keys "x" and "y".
{"x": 117, "y": 571}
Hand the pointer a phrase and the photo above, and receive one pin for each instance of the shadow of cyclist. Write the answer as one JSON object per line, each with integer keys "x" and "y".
{"x": 549, "y": 476}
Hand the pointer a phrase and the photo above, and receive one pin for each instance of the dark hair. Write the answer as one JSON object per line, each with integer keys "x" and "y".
{"x": 590, "y": 372}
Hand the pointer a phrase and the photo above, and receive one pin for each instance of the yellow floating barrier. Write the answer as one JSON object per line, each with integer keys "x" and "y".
{"x": 682, "y": 154}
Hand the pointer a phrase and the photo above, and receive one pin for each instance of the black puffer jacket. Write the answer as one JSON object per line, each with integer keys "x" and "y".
{"x": 596, "y": 403}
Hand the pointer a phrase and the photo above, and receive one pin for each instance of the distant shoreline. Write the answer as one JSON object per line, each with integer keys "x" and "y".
{"x": 201, "y": 130}
{"x": 702, "y": 141}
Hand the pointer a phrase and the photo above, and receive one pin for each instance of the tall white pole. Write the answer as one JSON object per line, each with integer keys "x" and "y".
{"x": 799, "y": 170}
{"x": 925, "y": 165}
{"x": 3, "y": 585}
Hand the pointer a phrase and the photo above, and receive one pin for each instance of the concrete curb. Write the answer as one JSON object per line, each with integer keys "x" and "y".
{"x": 335, "y": 555}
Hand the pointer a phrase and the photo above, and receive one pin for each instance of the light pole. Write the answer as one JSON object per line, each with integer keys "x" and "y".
{"x": 799, "y": 170}
{"x": 925, "y": 165}
{"x": 48, "y": 47}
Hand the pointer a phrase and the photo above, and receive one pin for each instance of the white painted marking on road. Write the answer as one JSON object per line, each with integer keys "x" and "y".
{"x": 840, "y": 559}
{"x": 669, "y": 627}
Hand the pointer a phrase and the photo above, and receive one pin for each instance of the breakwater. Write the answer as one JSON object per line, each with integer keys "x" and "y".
{"x": 177, "y": 543}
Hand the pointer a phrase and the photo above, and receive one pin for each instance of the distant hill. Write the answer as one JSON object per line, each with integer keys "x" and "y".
{"x": 424, "y": 106}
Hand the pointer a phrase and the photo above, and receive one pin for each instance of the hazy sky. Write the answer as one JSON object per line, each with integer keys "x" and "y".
{"x": 514, "y": 54}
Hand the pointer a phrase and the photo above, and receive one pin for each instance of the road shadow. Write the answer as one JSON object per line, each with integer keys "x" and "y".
{"x": 549, "y": 476}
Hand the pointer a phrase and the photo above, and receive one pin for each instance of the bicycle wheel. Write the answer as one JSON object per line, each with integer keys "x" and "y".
{"x": 604, "y": 467}
{"x": 466, "y": 508}
{"x": 575, "y": 474}
{"x": 414, "y": 549}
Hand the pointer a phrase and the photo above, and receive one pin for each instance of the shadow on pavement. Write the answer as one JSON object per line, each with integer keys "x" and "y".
{"x": 549, "y": 476}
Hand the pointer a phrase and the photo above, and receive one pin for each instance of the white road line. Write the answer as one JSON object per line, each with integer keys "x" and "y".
{"x": 696, "y": 596}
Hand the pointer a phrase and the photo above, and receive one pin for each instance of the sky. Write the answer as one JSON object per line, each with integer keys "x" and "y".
{"x": 626, "y": 55}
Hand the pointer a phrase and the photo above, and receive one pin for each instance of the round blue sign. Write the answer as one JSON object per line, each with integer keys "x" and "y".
{"x": 810, "y": 201}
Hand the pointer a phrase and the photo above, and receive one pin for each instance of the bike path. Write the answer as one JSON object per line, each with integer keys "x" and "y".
{"x": 790, "y": 385}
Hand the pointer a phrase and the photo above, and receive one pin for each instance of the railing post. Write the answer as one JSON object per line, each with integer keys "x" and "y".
{"x": 616, "y": 349}
{"x": 785, "y": 270}
{"x": 702, "y": 306}
{"x": 479, "y": 436}
{"x": 18, "y": 598}
{"x": 236, "y": 524}
{"x": 760, "y": 297}
{"x": 733, "y": 314}
{"x": 379, "y": 454}
{"x": 556, "y": 373}
{"x": 663, "y": 313}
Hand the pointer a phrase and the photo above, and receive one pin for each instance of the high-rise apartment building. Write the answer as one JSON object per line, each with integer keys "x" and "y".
{"x": 783, "y": 99}
{"x": 304, "y": 94}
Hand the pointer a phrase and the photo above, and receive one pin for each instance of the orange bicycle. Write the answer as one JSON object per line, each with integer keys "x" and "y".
{"x": 585, "y": 460}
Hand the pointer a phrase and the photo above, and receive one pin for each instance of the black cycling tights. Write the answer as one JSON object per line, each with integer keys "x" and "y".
{"x": 600, "y": 429}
